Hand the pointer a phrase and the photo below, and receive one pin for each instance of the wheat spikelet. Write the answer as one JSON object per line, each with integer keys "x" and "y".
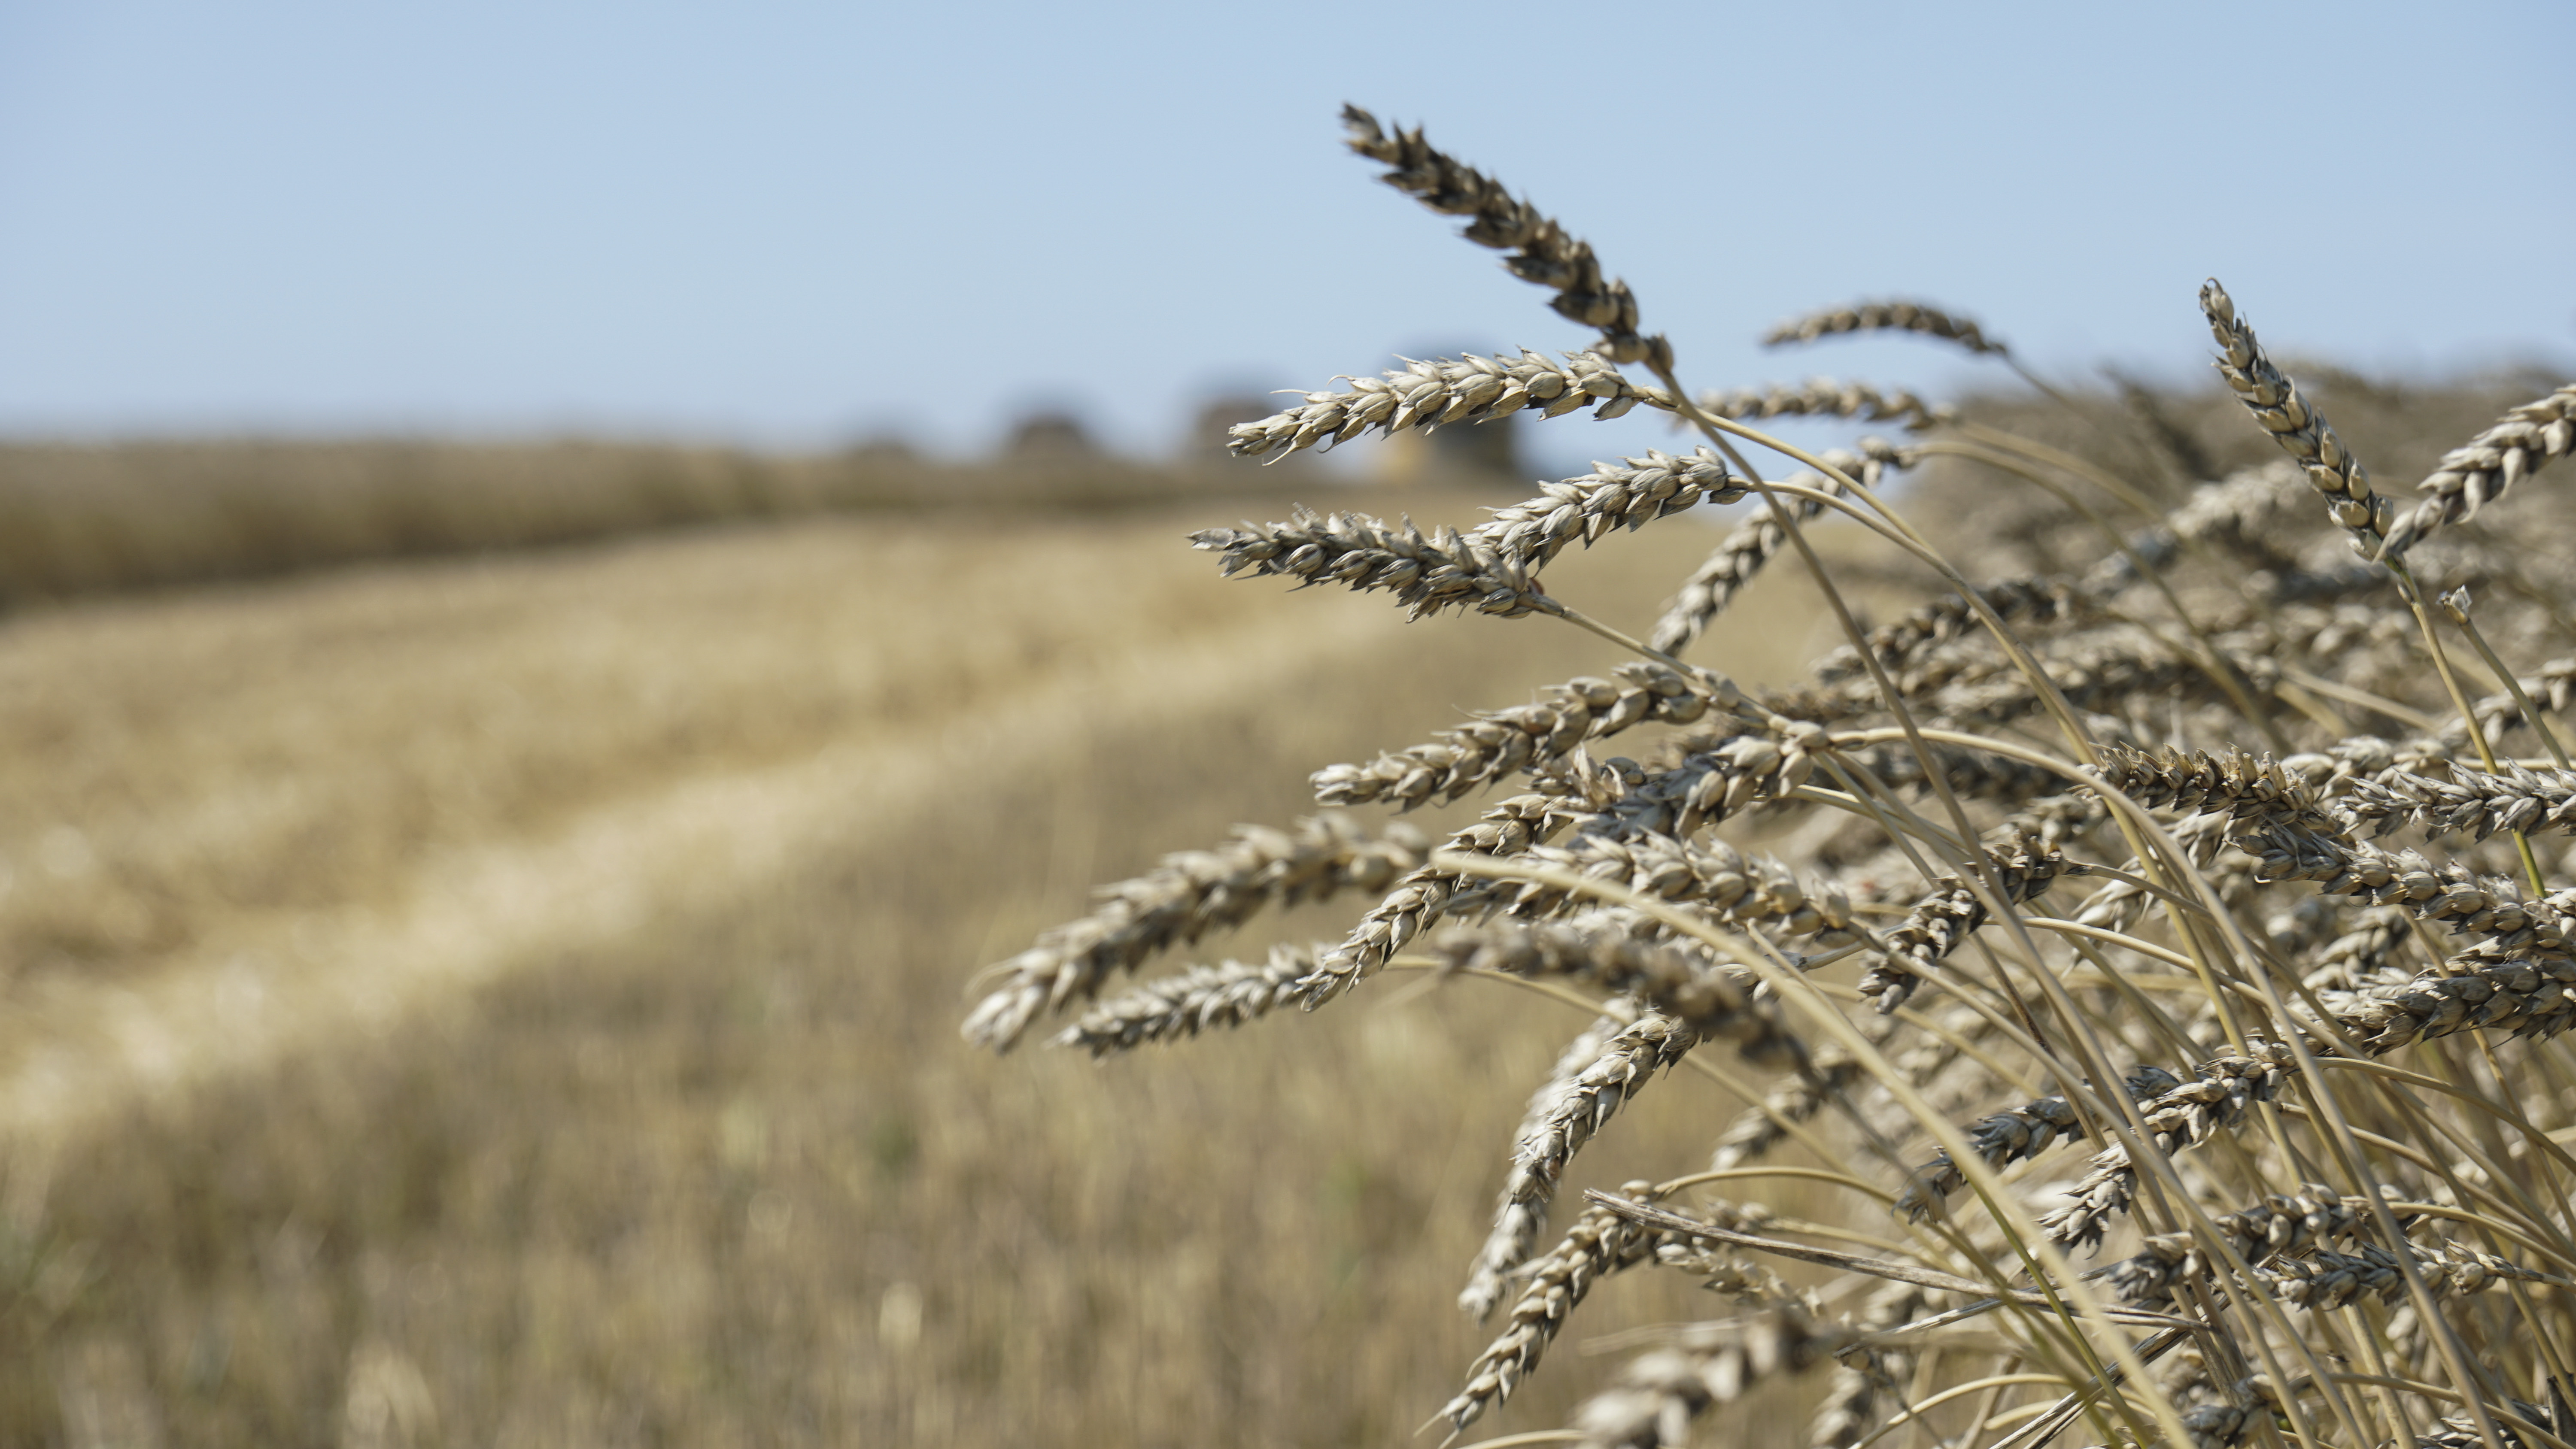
{"x": 2479, "y": 471}
{"x": 2276, "y": 404}
{"x": 1596, "y": 1245}
{"x": 1676, "y": 980}
{"x": 1660, "y": 1393}
{"x": 1229, "y": 994}
{"x": 2187, "y": 1115}
{"x": 2021, "y": 868}
{"x": 1893, "y": 315}
{"x": 1542, "y": 253}
{"x": 2235, "y": 514}
{"x": 1426, "y": 574}
{"x": 1428, "y": 394}
{"x": 2471, "y": 802}
{"x": 2014, "y": 1135}
{"x": 1424, "y": 395}
{"x": 2283, "y": 1223}
{"x": 1518, "y": 1219}
{"x": 1594, "y": 1077}
{"x": 1862, "y": 1380}
{"x": 1531, "y": 737}
{"x": 1716, "y": 879}
{"x": 1822, "y": 397}
{"x": 1422, "y": 896}
{"x": 2323, "y": 1280}
{"x": 1628, "y": 494}
{"x": 1183, "y": 898}
{"x": 2461, "y": 1432}
{"x": 1901, "y": 645}
{"x": 1792, "y": 1101}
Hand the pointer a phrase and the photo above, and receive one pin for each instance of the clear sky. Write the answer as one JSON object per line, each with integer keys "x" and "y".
{"x": 798, "y": 224}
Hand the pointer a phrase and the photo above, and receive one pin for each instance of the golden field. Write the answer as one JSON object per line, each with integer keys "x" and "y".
{"x": 512, "y": 998}
{"x": 513, "y": 1001}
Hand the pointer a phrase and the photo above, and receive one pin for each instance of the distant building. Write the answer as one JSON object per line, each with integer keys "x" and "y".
{"x": 1050, "y": 437}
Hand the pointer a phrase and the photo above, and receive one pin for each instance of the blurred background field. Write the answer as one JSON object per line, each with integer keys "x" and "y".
{"x": 510, "y": 998}
{"x": 513, "y": 1000}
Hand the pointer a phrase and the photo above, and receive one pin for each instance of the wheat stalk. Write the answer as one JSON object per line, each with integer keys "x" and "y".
{"x": 2193, "y": 712}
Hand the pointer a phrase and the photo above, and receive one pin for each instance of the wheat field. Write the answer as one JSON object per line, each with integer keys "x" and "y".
{"x": 517, "y": 998}
{"x": 511, "y": 1002}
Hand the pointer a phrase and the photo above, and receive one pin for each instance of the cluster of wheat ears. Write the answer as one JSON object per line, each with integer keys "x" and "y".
{"x": 2253, "y": 1128}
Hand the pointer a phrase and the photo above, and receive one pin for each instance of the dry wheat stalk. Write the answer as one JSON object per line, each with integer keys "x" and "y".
{"x": 2352, "y": 1073}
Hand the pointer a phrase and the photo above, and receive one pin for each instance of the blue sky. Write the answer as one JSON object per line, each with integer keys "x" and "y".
{"x": 796, "y": 224}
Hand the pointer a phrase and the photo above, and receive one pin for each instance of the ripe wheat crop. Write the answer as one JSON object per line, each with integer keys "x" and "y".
{"x": 2166, "y": 967}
